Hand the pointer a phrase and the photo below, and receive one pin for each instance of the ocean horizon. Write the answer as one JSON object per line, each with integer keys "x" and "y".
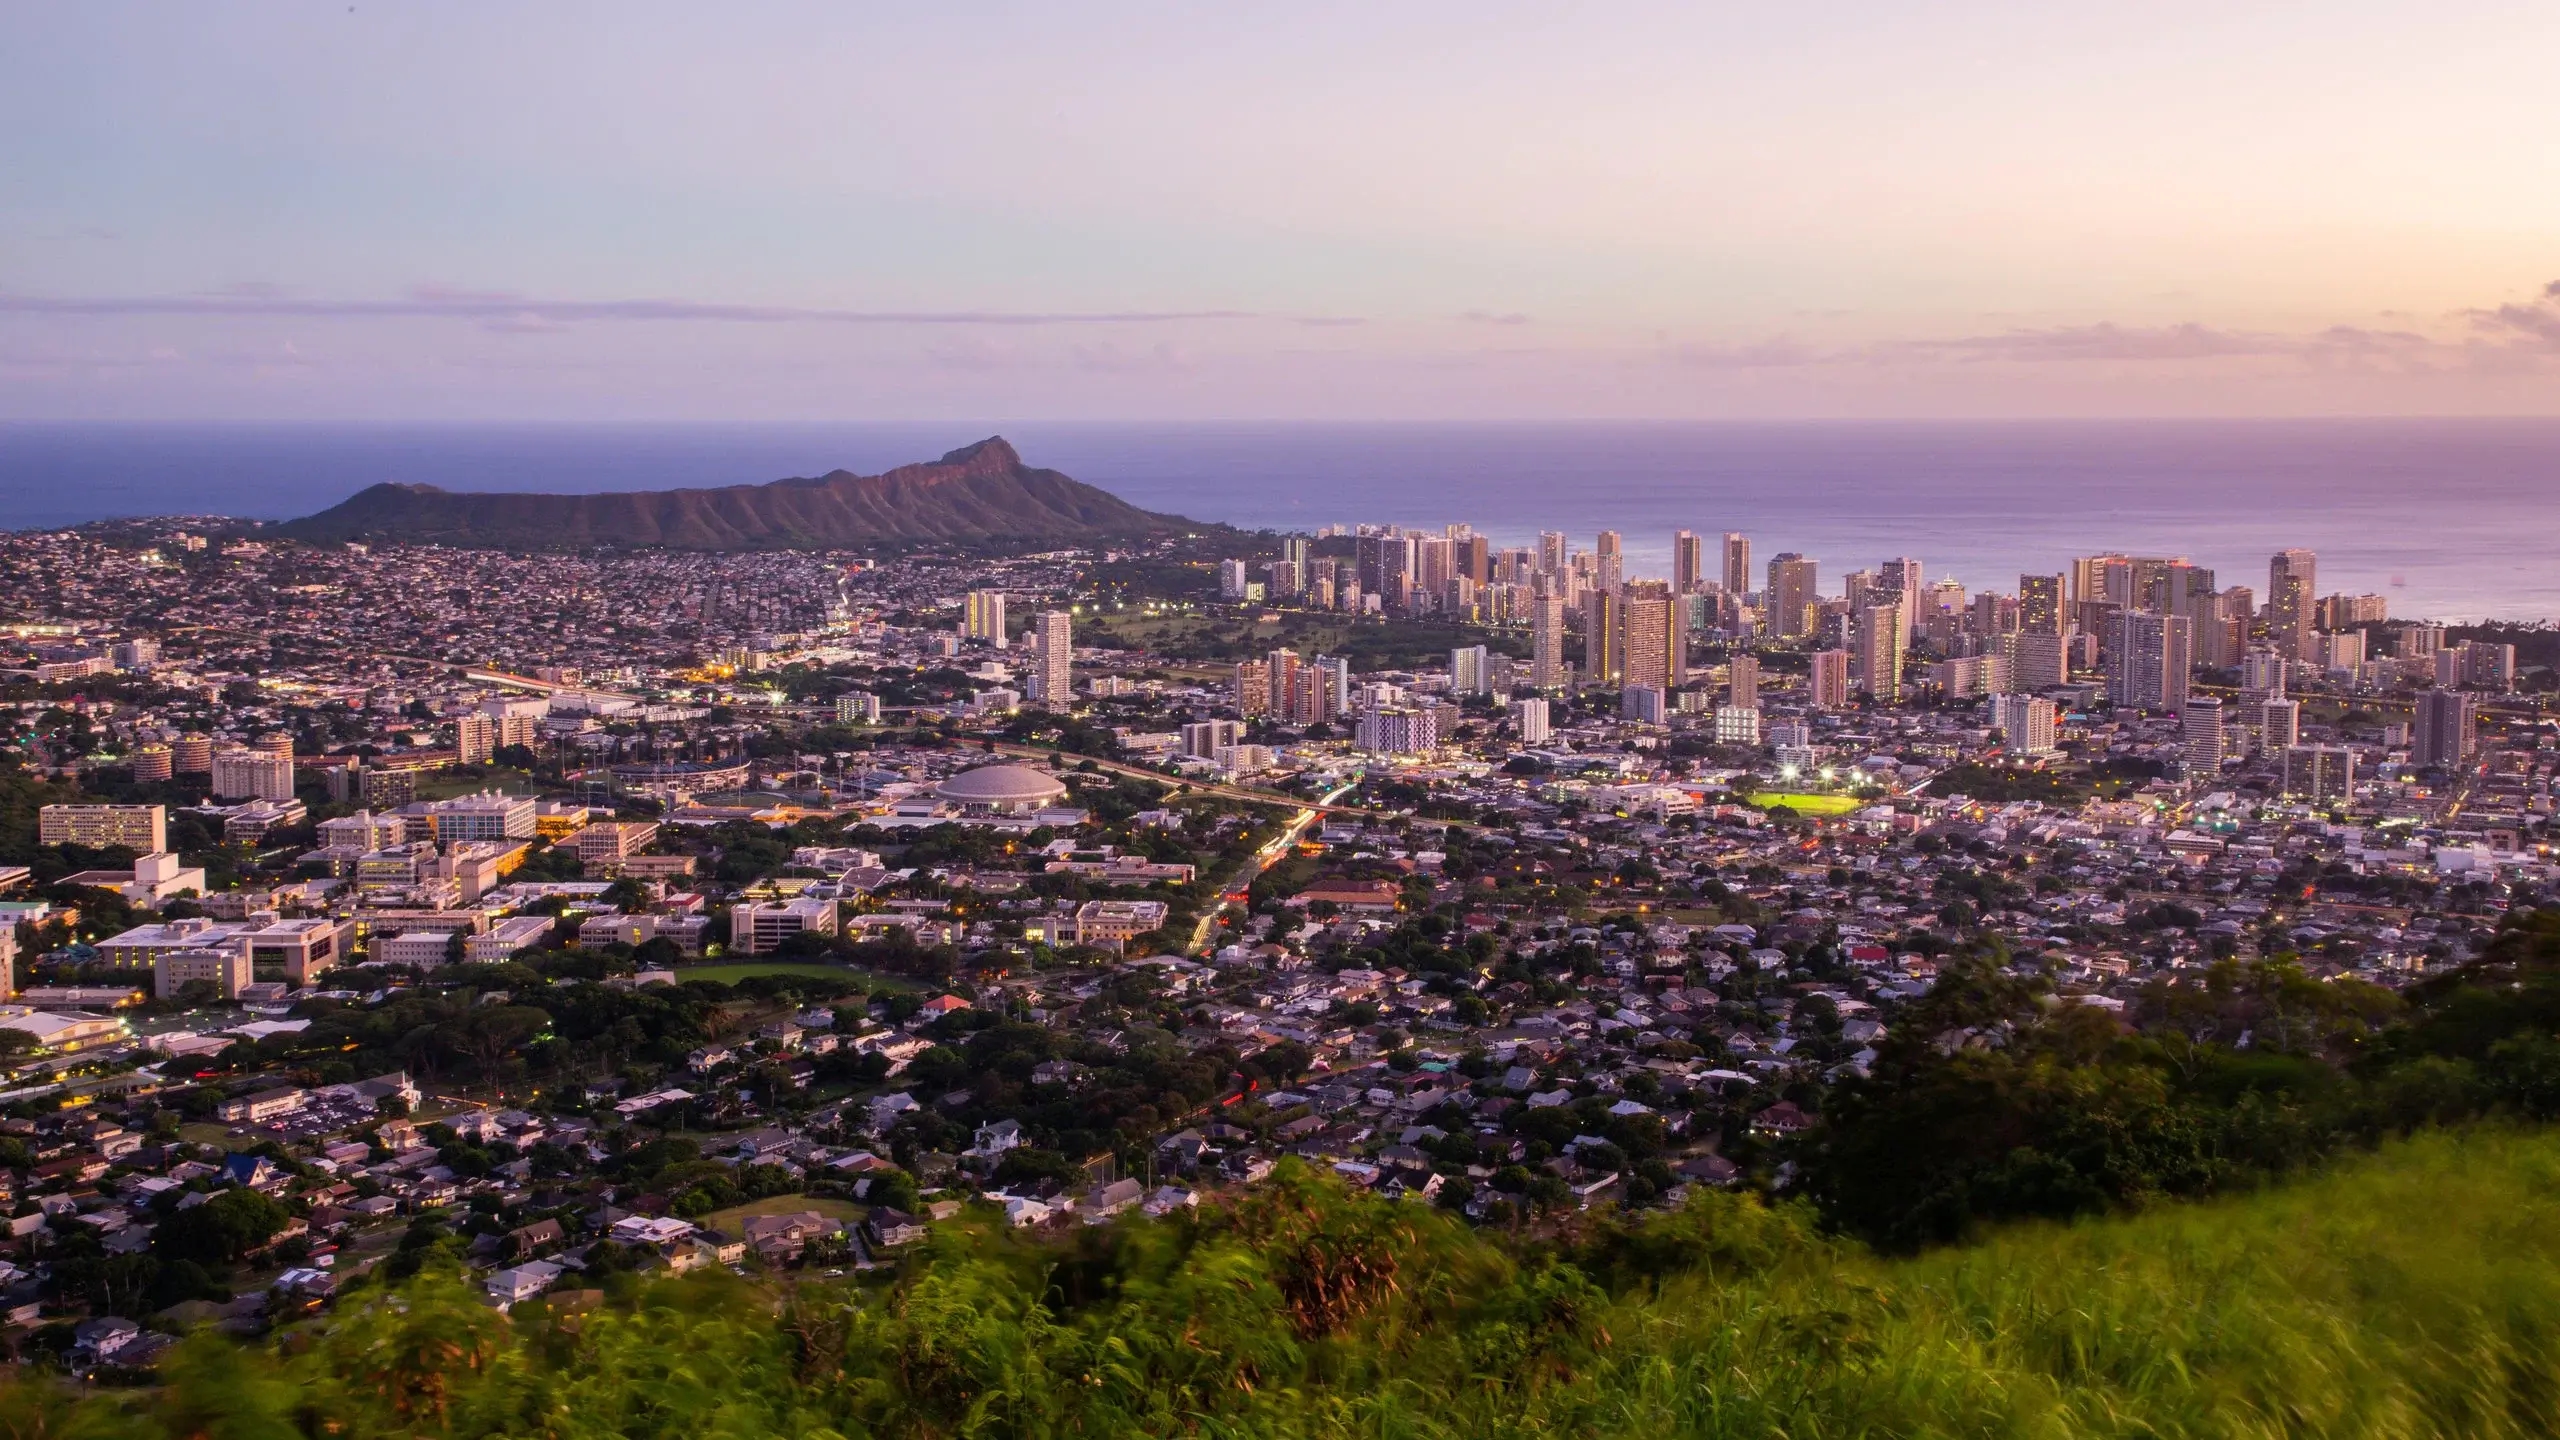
{"x": 2451, "y": 519}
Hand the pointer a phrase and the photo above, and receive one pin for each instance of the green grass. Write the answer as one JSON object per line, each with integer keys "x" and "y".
{"x": 2412, "y": 1293}
{"x": 1810, "y": 804}
{"x": 728, "y": 1221}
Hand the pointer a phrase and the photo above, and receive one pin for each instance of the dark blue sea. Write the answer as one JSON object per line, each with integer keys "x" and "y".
{"x": 2453, "y": 519}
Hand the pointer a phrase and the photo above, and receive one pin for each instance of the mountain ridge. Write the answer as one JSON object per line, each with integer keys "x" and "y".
{"x": 980, "y": 492}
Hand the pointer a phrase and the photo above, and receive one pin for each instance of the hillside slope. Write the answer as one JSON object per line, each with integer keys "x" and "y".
{"x": 2415, "y": 1293}
{"x": 981, "y": 492}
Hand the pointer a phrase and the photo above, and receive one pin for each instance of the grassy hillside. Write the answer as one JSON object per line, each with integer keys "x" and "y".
{"x": 2415, "y": 1292}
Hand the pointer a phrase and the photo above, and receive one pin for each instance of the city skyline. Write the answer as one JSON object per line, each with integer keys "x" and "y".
{"x": 324, "y": 211}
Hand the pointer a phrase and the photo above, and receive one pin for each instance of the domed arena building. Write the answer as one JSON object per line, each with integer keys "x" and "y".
{"x": 1003, "y": 790}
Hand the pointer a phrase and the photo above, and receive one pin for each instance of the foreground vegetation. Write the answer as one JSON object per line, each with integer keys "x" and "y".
{"x": 2415, "y": 1292}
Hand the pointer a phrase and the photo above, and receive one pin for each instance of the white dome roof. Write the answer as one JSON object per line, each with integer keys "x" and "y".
{"x": 1003, "y": 785}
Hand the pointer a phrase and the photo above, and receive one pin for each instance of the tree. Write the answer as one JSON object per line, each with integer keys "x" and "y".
{"x": 221, "y": 1230}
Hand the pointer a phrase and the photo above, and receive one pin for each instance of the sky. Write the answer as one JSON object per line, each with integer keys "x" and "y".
{"x": 1374, "y": 211}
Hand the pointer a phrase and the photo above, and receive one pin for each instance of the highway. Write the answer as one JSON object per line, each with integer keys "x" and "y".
{"x": 1263, "y": 859}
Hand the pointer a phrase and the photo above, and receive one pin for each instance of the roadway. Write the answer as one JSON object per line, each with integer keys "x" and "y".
{"x": 1263, "y": 859}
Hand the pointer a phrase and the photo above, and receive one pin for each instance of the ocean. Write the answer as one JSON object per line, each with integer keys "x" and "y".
{"x": 2452, "y": 519}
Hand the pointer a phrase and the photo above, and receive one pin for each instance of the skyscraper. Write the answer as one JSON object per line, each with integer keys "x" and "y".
{"x": 2025, "y": 723}
{"x": 1530, "y": 718}
{"x": 2200, "y": 726}
{"x": 1900, "y": 578}
{"x": 2152, "y": 657}
{"x": 1554, "y": 549}
{"x": 1546, "y": 640}
{"x": 1648, "y": 613}
{"x": 1743, "y": 680}
{"x": 1603, "y": 633}
{"x": 1829, "y": 679}
{"x": 1053, "y": 658}
{"x": 1876, "y": 645}
{"x": 2293, "y": 598}
{"x": 2263, "y": 671}
{"x": 1737, "y": 563}
{"x": 1688, "y": 563}
{"x": 2040, "y": 604}
{"x": 1609, "y": 560}
{"x": 1792, "y": 581}
{"x": 1470, "y": 673}
{"x": 2319, "y": 772}
{"x": 985, "y": 617}
{"x": 2446, "y": 729}
{"x": 2038, "y": 659}
{"x": 2279, "y": 723}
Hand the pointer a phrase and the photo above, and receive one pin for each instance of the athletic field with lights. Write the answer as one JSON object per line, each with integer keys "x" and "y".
{"x": 1810, "y": 804}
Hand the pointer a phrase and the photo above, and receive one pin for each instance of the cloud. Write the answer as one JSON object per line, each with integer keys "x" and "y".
{"x": 1777, "y": 352}
{"x": 1495, "y": 317}
{"x": 2534, "y": 326}
{"x": 514, "y": 310}
{"x": 2106, "y": 341}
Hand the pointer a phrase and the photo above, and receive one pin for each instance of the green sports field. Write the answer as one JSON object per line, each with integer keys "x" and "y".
{"x": 1810, "y": 804}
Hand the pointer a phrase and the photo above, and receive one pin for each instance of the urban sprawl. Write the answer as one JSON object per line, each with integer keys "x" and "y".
{"x": 569, "y": 915}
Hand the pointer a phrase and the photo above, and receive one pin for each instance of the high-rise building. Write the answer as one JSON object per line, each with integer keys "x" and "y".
{"x": 2200, "y": 729}
{"x": 1603, "y": 632}
{"x": 1329, "y": 698}
{"x": 2099, "y": 578}
{"x": 1555, "y": 550}
{"x": 859, "y": 708}
{"x": 2446, "y": 729}
{"x": 1529, "y": 717}
{"x": 1899, "y": 579}
{"x": 2025, "y": 723}
{"x": 1288, "y": 677}
{"x": 2279, "y": 723}
{"x": 1742, "y": 682}
{"x": 2150, "y": 663}
{"x": 1648, "y": 655}
{"x": 249, "y": 775}
{"x": 1546, "y": 640}
{"x": 1644, "y": 705}
{"x": 984, "y": 617}
{"x": 140, "y": 828}
{"x": 1737, "y": 725}
{"x": 2038, "y": 659}
{"x": 1792, "y": 595}
{"x": 1829, "y": 679}
{"x": 152, "y": 762}
{"x": 2263, "y": 671}
{"x": 1609, "y": 561}
{"x": 1203, "y": 739}
{"x": 1251, "y": 688}
{"x": 2346, "y": 612}
{"x": 2292, "y": 601}
{"x": 1399, "y": 731}
{"x": 1688, "y": 563}
{"x": 1961, "y": 677}
{"x": 1875, "y": 640}
{"x": 1737, "y": 563}
{"x": 192, "y": 754}
{"x": 475, "y": 739}
{"x": 2319, "y": 772}
{"x": 2476, "y": 665}
{"x": 1053, "y": 654}
{"x": 1470, "y": 671}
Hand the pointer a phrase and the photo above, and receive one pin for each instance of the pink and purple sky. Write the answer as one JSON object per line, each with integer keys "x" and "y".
{"x": 1403, "y": 211}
